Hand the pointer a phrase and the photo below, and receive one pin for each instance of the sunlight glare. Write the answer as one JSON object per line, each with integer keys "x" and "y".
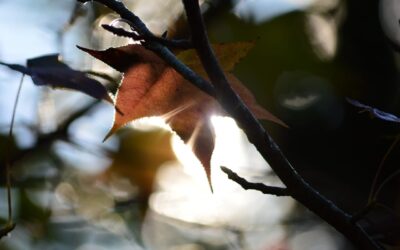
{"x": 190, "y": 163}
{"x": 150, "y": 123}
{"x": 229, "y": 151}
{"x": 226, "y": 151}
{"x": 226, "y": 141}
{"x": 174, "y": 112}
{"x": 183, "y": 192}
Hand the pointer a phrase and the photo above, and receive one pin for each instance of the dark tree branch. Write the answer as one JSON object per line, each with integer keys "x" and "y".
{"x": 297, "y": 186}
{"x": 277, "y": 191}
{"x": 155, "y": 46}
{"x": 126, "y": 14}
{"x": 182, "y": 44}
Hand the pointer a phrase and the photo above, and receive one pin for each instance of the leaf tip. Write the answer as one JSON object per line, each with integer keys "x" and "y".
{"x": 264, "y": 114}
{"x": 110, "y": 133}
{"x": 109, "y": 99}
{"x": 82, "y": 48}
{"x": 210, "y": 183}
{"x": 282, "y": 123}
{"x": 87, "y": 50}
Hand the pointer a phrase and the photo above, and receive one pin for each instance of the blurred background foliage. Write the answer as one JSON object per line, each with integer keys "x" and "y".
{"x": 138, "y": 190}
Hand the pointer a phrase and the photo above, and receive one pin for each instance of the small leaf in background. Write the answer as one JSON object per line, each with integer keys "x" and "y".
{"x": 229, "y": 54}
{"x": 50, "y": 71}
{"x": 376, "y": 113}
{"x": 151, "y": 87}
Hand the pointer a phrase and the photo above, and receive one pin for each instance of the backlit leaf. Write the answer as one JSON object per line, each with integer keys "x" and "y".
{"x": 150, "y": 87}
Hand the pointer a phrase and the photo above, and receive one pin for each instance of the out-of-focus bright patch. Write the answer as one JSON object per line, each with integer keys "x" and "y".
{"x": 183, "y": 193}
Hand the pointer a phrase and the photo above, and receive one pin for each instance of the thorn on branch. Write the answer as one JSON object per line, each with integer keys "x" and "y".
{"x": 277, "y": 191}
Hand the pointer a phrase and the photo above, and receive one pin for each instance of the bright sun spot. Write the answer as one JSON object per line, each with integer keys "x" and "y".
{"x": 183, "y": 192}
{"x": 150, "y": 123}
{"x": 191, "y": 165}
{"x": 229, "y": 151}
{"x": 226, "y": 131}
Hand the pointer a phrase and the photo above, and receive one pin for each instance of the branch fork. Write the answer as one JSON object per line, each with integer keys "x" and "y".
{"x": 219, "y": 88}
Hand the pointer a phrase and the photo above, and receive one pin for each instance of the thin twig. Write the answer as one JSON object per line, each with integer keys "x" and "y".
{"x": 297, "y": 186}
{"x": 380, "y": 168}
{"x": 10, "y": 225}
{"x": 123, "y": 32}
{"x": 182, "y": 44}
{"x": 365, "y": 210}
{"x": 265, "y": 189}
{"x": 384, "y": 183}
{"x": 156, "y": 47}
{"x": 10, "y": 136}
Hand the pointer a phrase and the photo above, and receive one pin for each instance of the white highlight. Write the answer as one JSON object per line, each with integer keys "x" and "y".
{"x": 299, "y": 102}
